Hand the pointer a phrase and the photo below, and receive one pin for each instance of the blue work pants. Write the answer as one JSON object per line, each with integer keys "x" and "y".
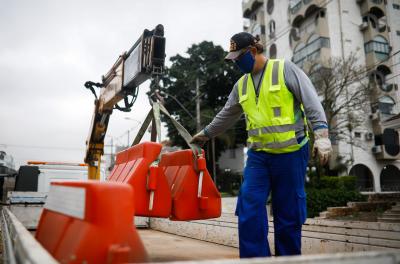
{"x": 284, "y": 176}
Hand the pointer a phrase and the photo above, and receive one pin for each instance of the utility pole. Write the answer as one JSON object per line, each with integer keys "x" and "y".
{"x": 198, "y": 122}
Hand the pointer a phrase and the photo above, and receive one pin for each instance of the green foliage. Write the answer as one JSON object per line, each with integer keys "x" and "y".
{"x": 331, "y": 191}
{"x": 342, "y": 182}
{"x": 320, "y": 199}
{"x": 205, "y": 61}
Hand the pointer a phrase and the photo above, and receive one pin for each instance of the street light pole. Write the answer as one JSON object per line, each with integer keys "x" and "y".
{"x": 132, "y": 119}
{"x": 198, "y": 121}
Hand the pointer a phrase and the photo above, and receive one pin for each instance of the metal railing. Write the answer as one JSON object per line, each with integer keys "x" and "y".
{"x": 19, "y": 245}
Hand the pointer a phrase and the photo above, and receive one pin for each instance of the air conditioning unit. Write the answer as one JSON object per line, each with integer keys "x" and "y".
{"x": 391, "y": 86}
{"x": 382, "y": 24}
{"x": 390, "y": 149}
{"x": 363, "y": 26}
{"x": 376, "y": 149}
{"x": 295, "y": 33}
{"x": 369, "y": 136}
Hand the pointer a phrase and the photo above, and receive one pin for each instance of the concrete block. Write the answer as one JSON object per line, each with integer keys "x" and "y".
{"x": 369, "y": 206}
{"x": 389, "y": 219}
{"x": 318, "y": 235}
{"x": 386, "y": 196}
{"x": 325, "y": 214}
{"x": 340, "y": 211}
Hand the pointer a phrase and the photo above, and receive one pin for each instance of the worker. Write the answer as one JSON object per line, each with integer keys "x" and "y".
{"x": 276, "y": 97}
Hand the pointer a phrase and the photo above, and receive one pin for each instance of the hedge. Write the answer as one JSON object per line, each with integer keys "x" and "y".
{"x": 333, "y": 182}
{"x": 319, "y": 199}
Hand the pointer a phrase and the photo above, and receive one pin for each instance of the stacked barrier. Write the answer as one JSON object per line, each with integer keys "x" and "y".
{"x": 90, "y": 222}
{"x": 179, "y": 187}
{"x": 135, "y": 167}
{"x": 194, "y": 195}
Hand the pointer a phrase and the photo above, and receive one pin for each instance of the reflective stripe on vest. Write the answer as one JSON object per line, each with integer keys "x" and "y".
{"x": 273, "y": 145}
{"x": 270, "y": 120}
{"x": 271, "y": 129}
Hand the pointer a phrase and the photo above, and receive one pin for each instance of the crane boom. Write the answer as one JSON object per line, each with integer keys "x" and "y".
{"x": 144, "y": 60}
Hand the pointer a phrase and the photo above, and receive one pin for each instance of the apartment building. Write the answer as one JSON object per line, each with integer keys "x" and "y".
{"x": 306, "y": 31}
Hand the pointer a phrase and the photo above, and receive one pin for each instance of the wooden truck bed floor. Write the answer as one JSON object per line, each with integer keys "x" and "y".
{"x": 163, "y": 247}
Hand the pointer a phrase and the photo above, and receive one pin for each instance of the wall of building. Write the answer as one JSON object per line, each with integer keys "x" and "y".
{"x": 393, "y": 16}
{"x": 232, "y": 159}
{"x": 279, "y": 15}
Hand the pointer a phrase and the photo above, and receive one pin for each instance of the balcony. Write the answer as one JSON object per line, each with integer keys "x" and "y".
{"x": 250, "y": 6}
{"x": 377, "y": 51}
{"x": 313, "y": 22}
{"x": 374, "y": 23}
{"x": 311, "y": 52}
{"x": 301, "y": 7}
{"x": 366, "y": 5}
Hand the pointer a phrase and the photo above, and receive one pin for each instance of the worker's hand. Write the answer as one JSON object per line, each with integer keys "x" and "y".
{"x": 322, "y": 145}
{"x": 200, "y": 138}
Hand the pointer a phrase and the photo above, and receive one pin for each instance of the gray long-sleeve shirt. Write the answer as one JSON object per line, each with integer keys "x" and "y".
{"x": 297, "y": 82}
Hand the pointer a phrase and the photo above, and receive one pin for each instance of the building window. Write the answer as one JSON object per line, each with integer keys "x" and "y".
{"x": 396, "y": 6}
{"x": 311, "y": 51}
{"x": 398, "y": 32}
{"x": 272, "y": 29}
{"x": 390, "y": 180}
{"x": 306, "y": 2}
{"x": 377, "y": 2}
{"x": 270, "y": 6}
{"x": 380, "y": 46}
{"x": 357, "y": 134}
{"x": 272, "y": 51}
{"x": 256, "y": 29}
{"x": 386, "y": 105}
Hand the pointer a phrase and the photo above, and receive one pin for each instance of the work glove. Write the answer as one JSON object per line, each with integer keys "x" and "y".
{"x": 322, "y": 145}
{"x": 200, "y": 138}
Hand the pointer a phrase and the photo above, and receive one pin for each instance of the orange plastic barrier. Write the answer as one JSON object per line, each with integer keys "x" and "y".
{"x": 152, "y": 192}
{"x": 183, "y": 172}
{"x": 90, "y": 222}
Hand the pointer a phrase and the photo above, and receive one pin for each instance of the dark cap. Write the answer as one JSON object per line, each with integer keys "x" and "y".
{"x": 240, "y": 41}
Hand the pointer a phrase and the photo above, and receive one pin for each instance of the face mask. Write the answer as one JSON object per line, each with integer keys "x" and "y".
{"x": 246, "y": 62}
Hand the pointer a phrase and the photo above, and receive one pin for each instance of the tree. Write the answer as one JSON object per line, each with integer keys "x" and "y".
{"x": 205, "y": 61}
{"x": 345, "y": 92}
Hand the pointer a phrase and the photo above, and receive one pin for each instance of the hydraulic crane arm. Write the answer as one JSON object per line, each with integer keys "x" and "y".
{"x": 144, "y": 60}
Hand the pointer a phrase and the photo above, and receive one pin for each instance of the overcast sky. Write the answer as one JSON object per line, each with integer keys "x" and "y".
{"x": 48, "y": 49}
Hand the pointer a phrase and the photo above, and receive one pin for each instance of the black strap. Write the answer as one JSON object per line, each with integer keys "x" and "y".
{"x": 154, "y": 117}
{"x": 260, "y": 80}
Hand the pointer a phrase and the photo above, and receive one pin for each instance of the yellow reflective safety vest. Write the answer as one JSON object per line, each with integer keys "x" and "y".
{"x": 270, "y": 119}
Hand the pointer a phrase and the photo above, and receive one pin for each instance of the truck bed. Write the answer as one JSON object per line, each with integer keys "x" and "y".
{"x": 164, "y": 247}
